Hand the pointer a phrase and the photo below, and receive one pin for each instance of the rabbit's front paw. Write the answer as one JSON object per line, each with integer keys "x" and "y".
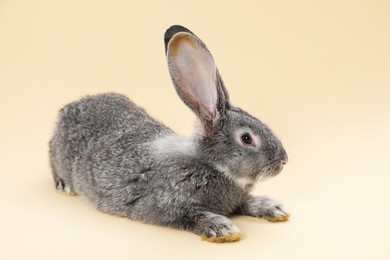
{"x": 266, "y": 208}
{"x": 218, "y": 229}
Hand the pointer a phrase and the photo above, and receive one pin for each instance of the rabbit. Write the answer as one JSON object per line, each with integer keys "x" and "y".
{"x": 111, "y": 153}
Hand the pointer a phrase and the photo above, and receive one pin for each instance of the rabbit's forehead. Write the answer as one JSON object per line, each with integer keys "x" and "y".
{"x": 241, "y": 121}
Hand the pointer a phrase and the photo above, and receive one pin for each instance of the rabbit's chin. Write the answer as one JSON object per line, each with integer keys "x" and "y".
{"x": 276, "y": 169}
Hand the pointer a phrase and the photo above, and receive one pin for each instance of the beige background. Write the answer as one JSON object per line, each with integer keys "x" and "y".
{"x": 318, "y": 72}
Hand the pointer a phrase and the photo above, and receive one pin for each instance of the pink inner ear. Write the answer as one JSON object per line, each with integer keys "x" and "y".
{"x": 196, "y": 73}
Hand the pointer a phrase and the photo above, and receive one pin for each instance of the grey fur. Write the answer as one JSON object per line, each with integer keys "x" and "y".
{"x": 113, "y": 154}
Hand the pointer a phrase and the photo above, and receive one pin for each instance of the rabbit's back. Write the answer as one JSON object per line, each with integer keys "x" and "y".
{"x": 105, "y": 124}
{"x": 109, "y": 116}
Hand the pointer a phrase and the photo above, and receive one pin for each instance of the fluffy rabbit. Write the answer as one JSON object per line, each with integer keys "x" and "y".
{"x": 115, "y": 156}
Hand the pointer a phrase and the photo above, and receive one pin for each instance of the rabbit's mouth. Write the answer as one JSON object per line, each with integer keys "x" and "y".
{"x": 274, "y": 169}
{"x": 278, "y": 168}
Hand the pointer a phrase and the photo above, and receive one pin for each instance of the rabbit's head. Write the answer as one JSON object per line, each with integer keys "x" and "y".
{"x": 231, "y": 139}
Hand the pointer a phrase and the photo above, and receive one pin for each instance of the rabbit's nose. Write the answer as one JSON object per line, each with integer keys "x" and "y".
{"x": 283, "y": 156}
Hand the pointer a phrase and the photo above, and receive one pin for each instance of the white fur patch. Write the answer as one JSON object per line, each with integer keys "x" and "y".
{"x": 241, "y": 181}
{"x": 171, "y": 145}
{"x": 67, "y": 189}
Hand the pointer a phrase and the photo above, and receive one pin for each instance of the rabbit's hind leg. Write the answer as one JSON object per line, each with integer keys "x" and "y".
{"x": 63, "y": 188}
{"x": 61, "y": 185}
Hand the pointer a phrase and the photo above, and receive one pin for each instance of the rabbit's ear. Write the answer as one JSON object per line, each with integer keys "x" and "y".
{"x": 195, "y": 74}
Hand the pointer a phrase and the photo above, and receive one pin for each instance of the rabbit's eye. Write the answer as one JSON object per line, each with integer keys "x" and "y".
{"x": 246, "y": 138}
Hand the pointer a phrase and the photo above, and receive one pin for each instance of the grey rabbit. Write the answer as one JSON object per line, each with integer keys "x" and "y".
{"x": 110, "y": 152}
